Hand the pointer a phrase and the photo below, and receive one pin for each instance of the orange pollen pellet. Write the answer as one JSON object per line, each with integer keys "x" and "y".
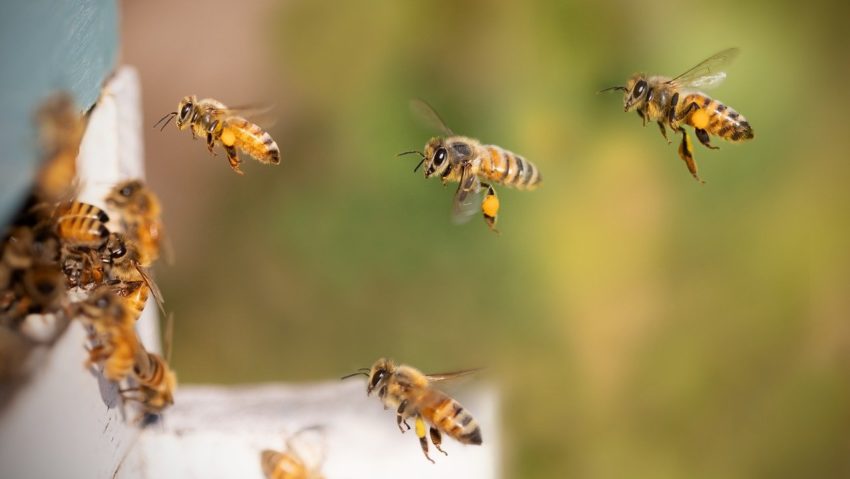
{"x": 490, "y": 206}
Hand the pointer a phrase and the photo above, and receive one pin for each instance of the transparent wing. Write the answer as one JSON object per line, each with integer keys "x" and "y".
{"x": 709, "y": 72}
{"x": 467, "y": 199}
{"x": 157, "y": 294}
{"x": 426, "y": 113}
{"x": 437, "y": 377}
{"x": 257, "y": 113}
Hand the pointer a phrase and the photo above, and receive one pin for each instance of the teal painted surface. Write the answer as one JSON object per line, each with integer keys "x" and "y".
{"x": 46, "y": 47}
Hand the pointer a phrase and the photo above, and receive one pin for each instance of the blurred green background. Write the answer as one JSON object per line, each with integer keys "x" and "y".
{"x": 638, "y": 324}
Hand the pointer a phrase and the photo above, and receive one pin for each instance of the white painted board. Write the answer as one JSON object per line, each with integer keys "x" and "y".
{"x": 218, "y": 432}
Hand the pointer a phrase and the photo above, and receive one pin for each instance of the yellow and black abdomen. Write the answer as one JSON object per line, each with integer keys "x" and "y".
{"x": 717, "y": 119}
{"x": 504, "y": 167}
{"x": 251, "y": 139}
{"x": 450, "y": 417}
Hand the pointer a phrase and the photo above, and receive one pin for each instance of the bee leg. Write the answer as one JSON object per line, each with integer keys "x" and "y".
{"x": 663, "y": 131}
{"x": 703, "y": 138}
{"x": 490, "y": 207}
{"x": 233, "y": 159}
{"x": 210, "y": 143}
{"x": 686, "y": 152}
{"x": 400, "y": 418}
{"x": 437, "y": 439}
{"x": 423, "y": 441}
{"x": 642, "y": 116}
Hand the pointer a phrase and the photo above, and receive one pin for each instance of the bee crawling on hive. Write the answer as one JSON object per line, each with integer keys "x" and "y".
{"x": 475, "y": 167}
{"x": 411, "y": 394}
{"x": 290, "y": 463}
{"x": 220, "y": 125}
{"x": 673, "y": 102}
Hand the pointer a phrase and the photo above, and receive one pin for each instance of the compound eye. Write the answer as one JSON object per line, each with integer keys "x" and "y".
{"x": 101, "y": 303}
{"x": 440, "y": 157}
{"x": 126, "y": 191}
{"x": 119, "y": 252}
{"x": 639, "y": 89}
{"x": 377, "y": 378}
{"x": 185, "y": 111}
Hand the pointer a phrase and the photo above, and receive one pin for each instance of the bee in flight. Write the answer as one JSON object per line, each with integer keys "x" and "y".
{"x": 676, "y": 101}
{"x": 474, "y": 166}
{"x": 210, "y": 119}
{"x": 410, "y": 393}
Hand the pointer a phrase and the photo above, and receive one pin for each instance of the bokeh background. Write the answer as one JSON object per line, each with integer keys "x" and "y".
{"x": 638, "y": 324}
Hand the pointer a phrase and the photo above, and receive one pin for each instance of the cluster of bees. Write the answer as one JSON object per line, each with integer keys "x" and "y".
{"x": 69, "y": 260}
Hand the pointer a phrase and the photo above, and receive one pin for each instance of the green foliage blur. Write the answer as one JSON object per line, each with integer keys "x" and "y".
{"x": 638, "y": 324}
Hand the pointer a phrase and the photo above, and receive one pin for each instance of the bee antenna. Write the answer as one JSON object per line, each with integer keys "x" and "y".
{"x": 169, "y": 117}
{"x": 420, "y": 164}
{"x": 622, "y": 88}
{"x": 353, "y": 374}
{"x": 410, "y": 153}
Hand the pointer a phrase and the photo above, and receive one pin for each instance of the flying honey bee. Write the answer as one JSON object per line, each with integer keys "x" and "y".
{"x": 676, "y": 101}
{"x": 139, "y": 209}
{"x": 116, "y": 344}
{"x": 61, "y": 128}
{"x": 289, "y": 464}
{"x": 411, "y": 394}
{"x": 474, "y": 166}
{"x": 210, "y": 119}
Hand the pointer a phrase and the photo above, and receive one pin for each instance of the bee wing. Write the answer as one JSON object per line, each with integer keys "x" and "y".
{"x": 437, "y": 377}
{"x": 425, "y": 112}
{"x": 257, "y": 113}
{"x": 708, "y": 73}
{"x": 467, "y": 199}
{"x": 157, "y": 294}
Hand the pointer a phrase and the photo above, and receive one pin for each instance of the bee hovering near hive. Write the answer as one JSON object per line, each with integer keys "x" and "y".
{"x": 411, "y": 394}
{"x": 675, "y": 102}
{"x": 218, "y": 124}
{"x": 474, "y": 166}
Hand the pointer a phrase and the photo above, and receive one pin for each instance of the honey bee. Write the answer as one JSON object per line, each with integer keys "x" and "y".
{"x": 127, "y": 276}
{"x": 156, "y": 380}
{"x": 288, "y": 464}
{"x": 411, "y": 394}
{"x": 474, "y": 166}
{"x": 116, "y": 344}
{"x": 676, "y": 101}
{"x": 140, "y": 216}
{"x": 210, "y": 119}
{"x": 61, "y": 128}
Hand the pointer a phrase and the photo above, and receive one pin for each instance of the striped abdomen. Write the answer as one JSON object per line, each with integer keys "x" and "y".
{"x": 82, "y": 231}
{"x": 77, "y": 208}
{"x": 153, "y": 374}
{"x": 504, "y": 167}
{"x": 717, "y": 119}
{"x": 251, "y": 139}
{"x": 449, "y": 416}
{"x": 279, "y": 465}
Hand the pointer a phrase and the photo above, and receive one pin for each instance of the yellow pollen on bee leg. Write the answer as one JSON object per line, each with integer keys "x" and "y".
{"x": 490, "y": 206}
{"x": 227, "y": 137}
{"x": 420, "y": 427}
{"x": 699, "y": 119}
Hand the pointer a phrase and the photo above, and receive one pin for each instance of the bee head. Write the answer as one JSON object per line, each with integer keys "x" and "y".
{"x": 379, "y": 374}
{"x": 436, "y": 158}
{"x": 123, "y": 192}
{"x": 635, "y": 92}
{"x": 184, "y": 111}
